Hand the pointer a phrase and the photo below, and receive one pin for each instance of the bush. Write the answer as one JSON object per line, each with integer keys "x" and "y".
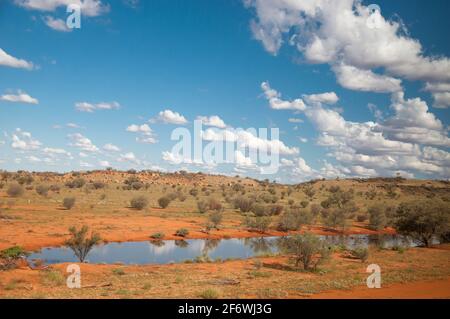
{"x": 42, "y": 190}
{"x": 139, "y": 202}
{"x": 209, "y": 294}
{"x": 99, "y": 185}
{"x": 215, "y": 218}
{"x": 335, "y": 218}
{"x": 193, "y": 192}
{"x": 69, "y": 202}
{"x": 214, "y": 204}
{"x": 361, "y": 253}
{"x": 259, "y": 224}
{"x": 182, "y": 232}
{"x": 76, "y": 183}
{"x": 304, "y": 203}
{"x": 377, "y": 217}
{"x": 243, "y": 204}
{"x": 275, "y": 210}
{"x": 15, "y": 190}
{"x": 55, "y": 188}
{"x": 80, "y": 243}
{"x": 361, "y": 218}
{"x": 202, "y": 206}
{"x": 158, "y": 235}
{"x": 307, "y": 250}
{"x": 13, "y": 252}
{"x": 164, "y": 201}
{"x": 423, "y": 220}
{"x": 289, "y": 221}
{"x": 259, "y": 210}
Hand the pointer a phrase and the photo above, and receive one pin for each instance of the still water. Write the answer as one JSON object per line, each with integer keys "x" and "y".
{"x": 175, "y": 251}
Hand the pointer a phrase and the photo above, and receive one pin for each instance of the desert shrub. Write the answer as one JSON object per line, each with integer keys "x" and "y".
{"x": 334, "y": 189}
{"x": 139, "y": 202}
{"x": 259, "y": 210}
{"x": 76, "y": 183}
{"x": 42, "y": 190}
{"x": 55, "y": 188}
{"x": 209, "y": 294}
{"x": 25, "y": 179}
{"x": 15, "y": 190}
{"x": 193, "y": 192}
{"x": 361, "y": 253}
{"x": 98, "y": 185}
{"x": 361, "y": 218}
{"x": 275, "y": 210}
{"x": 259, "y": 224}
{"x": 136, "y": 185}
{"x": 158, "y": 235}
{"x": 172, "y": 196}
{"x": 69, "y": 202}
{"x": 289, "y": 221}
{"x": 164, "y": 201}
{"x": 215, "y": 218}
{"x": 243, "y": 204}
{"x": 423, "y": 220}
{"x": 377, "y": 217}
{"x": 304, "y": 203}
{"x": 335, "y": 218}
{"x": 290, "y": 202}
{"x": 309, "y": 191}
{"x": 181, "y": 196}
{"x": 307, "y": 250}
{"x": 214, "y": 204}
{"x": 13, "y": 252}
{"x": 315, "y": 210}
{"x": 80, "y": 243}
{"x": 182, "y": 232}
{"x": 2, "y": 185}
{"x": 202, "y": 206}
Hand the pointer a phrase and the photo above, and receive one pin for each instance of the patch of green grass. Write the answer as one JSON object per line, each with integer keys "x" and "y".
{"x": 259, "y": 274}
{"x": 118, "y": 271}
{"x": 52, "y": 278}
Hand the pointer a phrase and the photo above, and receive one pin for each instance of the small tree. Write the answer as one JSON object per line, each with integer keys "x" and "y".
{"x": 15, "y": 190}
{"x": 139, "y": 202}
{"x": 243, "y": 204}
{"x": 423, "y": 220}
{"x": 69, "y": 202}
{"x": 80, "y": 243}
{"x": 377, "y": 217}
{"x": 164, "y": 201}
{"x": 259, "y": 224}
{"x": 307, "y": 250}
{"x": 202, "y": 206}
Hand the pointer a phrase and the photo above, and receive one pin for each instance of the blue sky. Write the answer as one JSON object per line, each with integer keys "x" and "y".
{"x": 205, "y": 58}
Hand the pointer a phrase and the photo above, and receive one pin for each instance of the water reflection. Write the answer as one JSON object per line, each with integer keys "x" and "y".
{"x": 168, "y": 251}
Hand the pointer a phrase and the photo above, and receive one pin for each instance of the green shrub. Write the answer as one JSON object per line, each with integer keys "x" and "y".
{"x": 13, "y": 252}
{"x": 15, "y": 190}
{"x": 164, "y": 201}
{"x": 139, "y": 202}
{"x": 377, "y": 217}
{"x": 259, "y": 224}
{"x": 158, "y": 235}
{"x": 289, "y": 221}
{"x": 215, "y": 218}
{"x": 202, "y": 206}
{"x": 209, "y": 294}
{"x": 182, "y": 232}
{"x": 304, "y": 203}
{"x": 243, "y": 204}
{"x": 307, "y": 250}
{"x": 80, "y": 243}
{"x": 69, "y": 202}
{"x": 259, "y": 210}
{"x": 99, "y": 185}
{"x": 361, "y": 218}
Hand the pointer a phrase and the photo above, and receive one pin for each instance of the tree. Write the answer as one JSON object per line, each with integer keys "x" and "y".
{"x": 259, "y": 224}
{"x": 42, "y": 190}
{"x": 80, "y": 243}
{"x": 306, "y": 249}
{"x": 336, "y": 218}
{"x": 423, "y": 220}
{"x": 215, "y": 218}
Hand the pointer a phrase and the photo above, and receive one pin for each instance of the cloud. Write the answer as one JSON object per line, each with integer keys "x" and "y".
{"x": 82, "y": 142}
{"x": 56, "y": 151}
{"x": 213, "y": 120}
{"x": 170, "y": 117}
{"x": 56, "y": 24}
{"x": 90, "y": 107}
{"x": 441, "y": 100}
{"x": 384, "y": 148}
{"x": 338, "y": 33}
{"x": 9, "y": 60}
{"x": 145, "y": 131}
{"x": 22, "y": 140}
{"x": 295, "y": 120}
{"x": 20, "y": 97}
{"x": 128, "y": 157}
{"x": 72, "y": 125}
{"x": 111, "y": 148}
{"x": 277, "y": 103}
{"x": 326, "y": 98}
{"x": 90, "y": 8}
{"x": 246, "y": 139}
{"x": 352, "y": 78}
{"x": 104, "y": 163}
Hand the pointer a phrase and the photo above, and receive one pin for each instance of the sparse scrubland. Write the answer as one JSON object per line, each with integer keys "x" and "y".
{"x": 78, "y": 209}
